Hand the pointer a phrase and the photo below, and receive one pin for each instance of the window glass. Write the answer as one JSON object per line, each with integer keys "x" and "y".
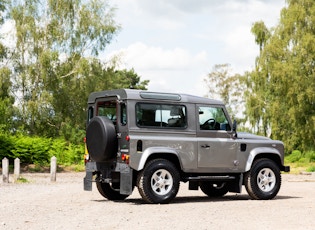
{"x": 90, "y": 113}
{"x": 161, "y": 115}
{"x": 213, "y": 118}
{"x": 107, "y": 109}
{"x": 123, "y": 115}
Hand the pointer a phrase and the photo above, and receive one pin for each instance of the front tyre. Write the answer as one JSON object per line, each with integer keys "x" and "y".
{"x": 158, "y": 182}
{"x": 263, "y": 181}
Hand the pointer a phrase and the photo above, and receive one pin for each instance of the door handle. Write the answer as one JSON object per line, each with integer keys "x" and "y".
{"x": 205, "y": 146}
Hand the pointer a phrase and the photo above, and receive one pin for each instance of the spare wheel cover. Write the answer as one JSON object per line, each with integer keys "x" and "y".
{"x": 101, "y": 139}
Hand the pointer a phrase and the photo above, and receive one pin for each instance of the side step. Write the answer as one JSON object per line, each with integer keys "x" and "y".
{"x": 234, "y": 182}
{"x": 210, "y": 178}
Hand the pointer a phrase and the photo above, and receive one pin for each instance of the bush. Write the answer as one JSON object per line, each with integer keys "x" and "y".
{"x": 39, "y": 150}
{"x": 295, "y": 156}
{"x": 31, "y": 150}
{"x": 6, "y": 145}
{"x": 67, "y": 153}
{"x": 311, "y": 168}
{"x": 310, "y": 155}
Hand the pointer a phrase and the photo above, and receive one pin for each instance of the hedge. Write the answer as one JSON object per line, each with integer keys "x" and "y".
{"x": 39, "y": 150}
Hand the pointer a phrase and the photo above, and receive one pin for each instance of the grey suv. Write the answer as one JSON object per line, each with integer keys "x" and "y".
{"x": 156, "y": 140}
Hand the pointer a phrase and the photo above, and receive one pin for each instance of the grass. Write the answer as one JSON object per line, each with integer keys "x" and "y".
{"x": 298, "y": 167}
{"x": 22, "y": 180}
{"x": 301, "y": 162}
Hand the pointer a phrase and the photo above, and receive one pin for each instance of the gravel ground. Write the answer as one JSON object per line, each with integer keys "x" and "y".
{"x": 41, "y": 204}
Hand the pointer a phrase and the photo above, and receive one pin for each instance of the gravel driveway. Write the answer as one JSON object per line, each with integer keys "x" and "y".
{"x": 42, "y": 204}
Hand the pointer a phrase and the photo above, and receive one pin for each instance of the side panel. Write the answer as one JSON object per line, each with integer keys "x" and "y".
{"x": 217, "y": 154}
{"x": 253, "y": 149}
{"x": 183, "y": 147}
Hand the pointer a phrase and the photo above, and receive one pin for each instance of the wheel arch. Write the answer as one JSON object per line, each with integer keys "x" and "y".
{"x": 158, "y": 152}
{"x": 269, "y": 153}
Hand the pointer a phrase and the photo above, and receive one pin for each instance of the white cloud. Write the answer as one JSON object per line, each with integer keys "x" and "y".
{"x": 7, "y": 34}
{"x": 176, "y": 43}
{"x": 167, "y": 69}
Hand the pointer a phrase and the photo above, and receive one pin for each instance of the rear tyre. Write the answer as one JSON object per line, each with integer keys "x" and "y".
{"x": 263, "y": 181}
{"x": 107, "y": 190}
{"x": 158, "y": 182}
{"x": 214, "y": 190}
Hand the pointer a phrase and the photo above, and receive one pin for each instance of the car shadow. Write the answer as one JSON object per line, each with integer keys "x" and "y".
{"x": 199, "y": 199}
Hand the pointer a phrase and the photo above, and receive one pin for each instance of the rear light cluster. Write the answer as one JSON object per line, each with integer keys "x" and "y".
{"x": 124, "y": 156}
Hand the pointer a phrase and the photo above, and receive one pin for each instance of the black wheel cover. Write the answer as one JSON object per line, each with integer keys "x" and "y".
{"x": 101, "y": 139}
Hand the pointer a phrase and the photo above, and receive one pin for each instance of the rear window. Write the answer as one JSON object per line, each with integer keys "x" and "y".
{"x": 107, "y": 109}
{"x": 161, "y": 115}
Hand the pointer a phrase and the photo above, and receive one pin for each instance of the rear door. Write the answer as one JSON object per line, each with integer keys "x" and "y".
{"x": 116, "y": 111}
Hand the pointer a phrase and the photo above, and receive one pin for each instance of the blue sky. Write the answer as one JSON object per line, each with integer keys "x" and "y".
{"x": 175, "y": 43}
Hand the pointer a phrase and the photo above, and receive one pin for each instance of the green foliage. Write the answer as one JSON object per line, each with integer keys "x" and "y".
{"x": 311, "y": 168}
{"x": 6, "y": 145}
{"x": 66, "y": 153}
{"x": 38, "y": 150}
{"x": 280, "y": 96}
{"x": 298, "y": 157}
{"x": 22, "y": 180}
{"x": 225, "y": 86}
{"x": 310, "y": 155}
{"x": 31, "y": 149}
{"x": 47, "y": 77}
{"x": 295, "y": 156}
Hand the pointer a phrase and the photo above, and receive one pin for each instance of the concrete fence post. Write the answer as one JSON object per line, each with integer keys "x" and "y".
{"x": 17, "y": 169}
{"x": 53, "y": 168}
{"x": 5, "y": 170}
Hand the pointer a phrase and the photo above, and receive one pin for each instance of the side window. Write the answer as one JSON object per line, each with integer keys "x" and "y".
{"x": 123, "y": 114}
{"x": 213, "y": 118}
{"x": 90, "y": 113}
{"x": 161, "y": 115}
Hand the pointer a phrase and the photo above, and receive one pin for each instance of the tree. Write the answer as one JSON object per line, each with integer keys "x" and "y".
{"x": 281, "y": 88}
{"x": 225, "y": 86}
{"x": 54, "y": 64}
{"x": 52, "y": 40}
{"x": 6, "y": 99}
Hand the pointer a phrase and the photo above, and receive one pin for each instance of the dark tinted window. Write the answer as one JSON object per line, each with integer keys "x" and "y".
{"x": 161, "y": 115}
{"x": 107, "y": 109}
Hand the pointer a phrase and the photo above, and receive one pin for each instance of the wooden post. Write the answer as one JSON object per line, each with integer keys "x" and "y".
{"x": 53, "y": 168}
{"x": 5, "y": 170}
{"x": 17, "y": 169}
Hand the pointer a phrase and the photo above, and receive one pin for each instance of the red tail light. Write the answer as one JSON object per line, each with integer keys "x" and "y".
{"x": 125, "y": 157}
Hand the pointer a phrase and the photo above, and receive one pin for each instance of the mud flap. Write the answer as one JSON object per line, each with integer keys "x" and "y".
{"x": 90, "y": 167}
{"x": 125, "y": 180}
{"x": 88, "y": 181}
{"x": 236, "y": 185}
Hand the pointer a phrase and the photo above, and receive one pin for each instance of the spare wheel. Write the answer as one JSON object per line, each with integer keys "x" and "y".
{"x": 101, "y": 139}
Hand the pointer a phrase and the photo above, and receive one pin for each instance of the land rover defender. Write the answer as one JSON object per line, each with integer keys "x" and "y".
{"x": 154, "y": 141}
